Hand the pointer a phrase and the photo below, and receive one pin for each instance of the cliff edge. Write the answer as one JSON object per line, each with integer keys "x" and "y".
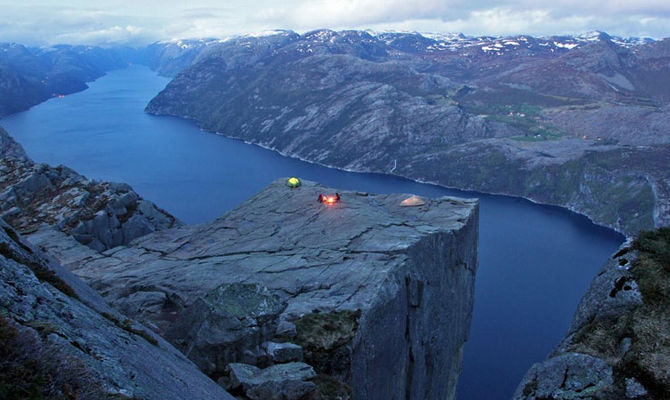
{"x": 365, "y": 298}
{"x": 617, "y": 346}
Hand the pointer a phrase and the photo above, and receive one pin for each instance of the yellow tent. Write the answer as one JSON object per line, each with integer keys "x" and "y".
{"x": 293, "y": 182}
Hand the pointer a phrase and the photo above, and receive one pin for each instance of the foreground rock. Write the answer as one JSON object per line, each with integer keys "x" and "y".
{"x": 59, "y": 339}
{"x": 617, "y": 345}
{"x": 279, "y": 382}
{"x": 100, "y": 215}
{"x": 378, "y": 295}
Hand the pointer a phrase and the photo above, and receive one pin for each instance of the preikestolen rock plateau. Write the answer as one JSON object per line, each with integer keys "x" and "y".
{"x": 377, "y": 295}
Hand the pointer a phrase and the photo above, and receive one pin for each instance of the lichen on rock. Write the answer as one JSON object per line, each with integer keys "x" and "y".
{"x": 621, "y": 327}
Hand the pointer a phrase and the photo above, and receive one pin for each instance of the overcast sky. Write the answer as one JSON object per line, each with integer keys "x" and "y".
{"x": 136, "y": 22}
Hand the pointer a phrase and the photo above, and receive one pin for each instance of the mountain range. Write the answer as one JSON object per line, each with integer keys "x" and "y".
{"x": 579, "y": 122}
{"x": 575, "y": 121}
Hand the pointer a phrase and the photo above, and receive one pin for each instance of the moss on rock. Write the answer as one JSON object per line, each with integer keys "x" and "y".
{"x": 327, "y": 331}
{"x": 332, "y": 388}
{"x": 637, "y": 343}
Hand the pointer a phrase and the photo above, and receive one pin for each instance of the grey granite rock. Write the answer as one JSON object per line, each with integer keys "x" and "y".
{"x": 401, "y": 276}
{"x": 634, "y": 389}
{"x": 101, "y": 215}
{"x": 9, "y": 148}
{"x": 283, "y": 352}
{"x": 593, "y": 360}
{"x": 85, "y": 340}
{"x": 567, "y": 376}
{"x": 278, "y": 382}
{"x": 612, "y": 292}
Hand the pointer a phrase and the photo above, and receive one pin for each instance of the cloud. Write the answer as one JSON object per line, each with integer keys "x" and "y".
{"x": 356, "y": 13}
{"x": 126, "y": 35}
{"x": 137, "y": 22}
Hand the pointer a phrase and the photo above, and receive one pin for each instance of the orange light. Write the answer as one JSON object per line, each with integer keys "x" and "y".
{"x": 329, "y": 199}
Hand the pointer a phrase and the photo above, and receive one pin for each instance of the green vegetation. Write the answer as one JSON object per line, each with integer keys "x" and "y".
{"x": 654, "y": 247}
{"x": 523, "y": 116}
{"x": 332, "y": 388}
{"x": 43, "y": 328}
{"x": 647, "y": 326}
{"x": 327, "y": 331}
{"x": 438, "y": 99}
{"x": 540, "y": 136}
{"x": 30, "y": 370}
{"x": 19, "y": 378}
{"x": 476, "y": 99}
{"x": 649, "y": 357}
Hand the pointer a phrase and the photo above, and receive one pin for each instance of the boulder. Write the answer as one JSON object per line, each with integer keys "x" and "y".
{"x": 283, "y": 352}
{"x": 227, "y": 323}
{"x": 278, "y": 382}
{"x": 567, "y": 376}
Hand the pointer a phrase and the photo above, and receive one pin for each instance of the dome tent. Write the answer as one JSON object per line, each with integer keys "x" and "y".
{"x": 293, "y": 182}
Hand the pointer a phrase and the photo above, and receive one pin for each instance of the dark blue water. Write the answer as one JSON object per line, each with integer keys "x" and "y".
{"x": 535, "y": 261}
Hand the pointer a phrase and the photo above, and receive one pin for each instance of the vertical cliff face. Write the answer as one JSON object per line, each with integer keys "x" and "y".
{"x": 364, "y": 299}
{"x": 430, "y": 303}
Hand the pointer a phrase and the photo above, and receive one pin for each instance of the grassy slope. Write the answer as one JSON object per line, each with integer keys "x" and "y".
{"x": 648, "y": 325}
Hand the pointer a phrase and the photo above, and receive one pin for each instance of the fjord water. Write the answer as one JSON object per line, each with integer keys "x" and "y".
{"x": 535, "y": 261}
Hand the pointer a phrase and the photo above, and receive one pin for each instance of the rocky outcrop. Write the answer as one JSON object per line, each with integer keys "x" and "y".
{"x": 59, "y": 339}
{"x": 476, "y": 114}
{"x": 616, "y": 347}
{"x": 378, "y": 295}
{"x": 278, "y": 382}
{"x": 100, "y": 215}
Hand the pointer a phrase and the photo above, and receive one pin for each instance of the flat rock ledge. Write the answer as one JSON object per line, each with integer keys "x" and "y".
{"x": 377, "y": 295}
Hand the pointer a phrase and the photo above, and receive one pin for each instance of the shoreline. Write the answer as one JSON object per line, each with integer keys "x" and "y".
{"x": 474, "y": 192}
{"x": 387, "y": 174}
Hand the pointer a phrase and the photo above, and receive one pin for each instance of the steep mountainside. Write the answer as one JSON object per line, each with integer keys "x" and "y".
{"x": 580, "y": 122}
{"x": 170, "y": 57}
{"x": 29, "y": 76}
